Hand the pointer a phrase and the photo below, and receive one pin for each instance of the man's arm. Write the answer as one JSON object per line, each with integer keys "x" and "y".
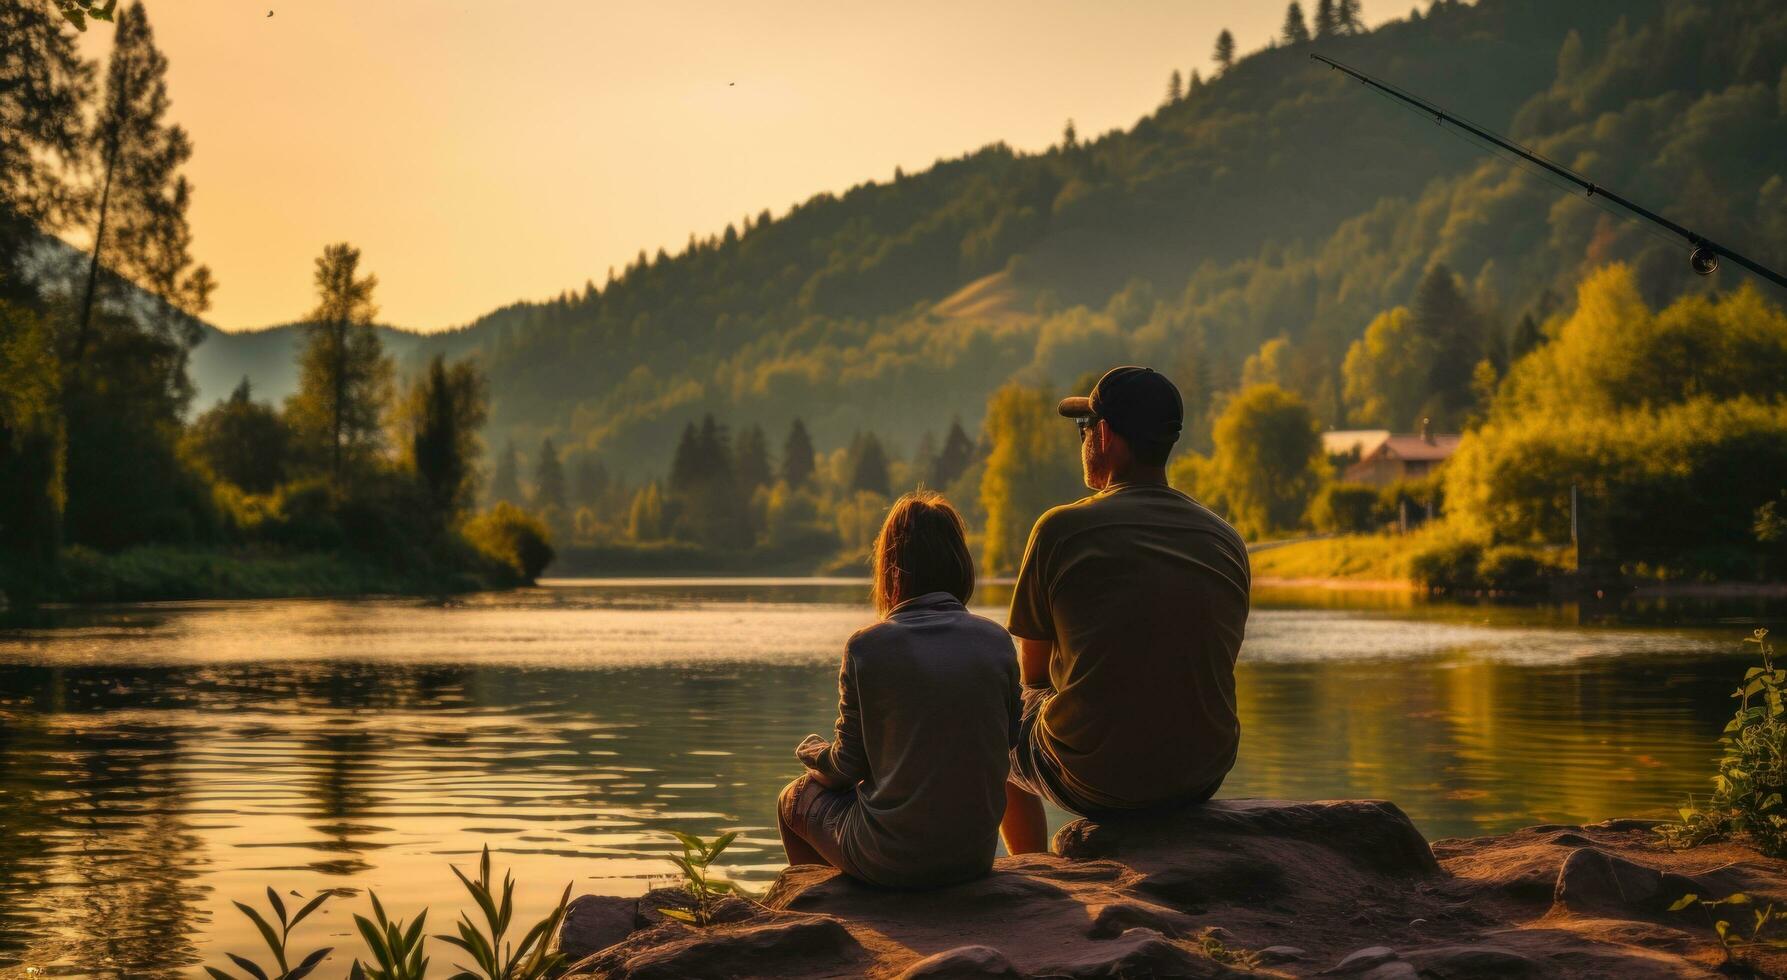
{"x": 1033, "y": 661}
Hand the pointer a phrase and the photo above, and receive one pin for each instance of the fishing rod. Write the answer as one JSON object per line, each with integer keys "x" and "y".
{"x": 1703, "y": 255}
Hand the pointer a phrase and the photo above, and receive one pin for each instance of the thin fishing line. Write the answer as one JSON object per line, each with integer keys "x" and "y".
{"x": 1569, "y": 190}
{"x": 1705, "y": 253}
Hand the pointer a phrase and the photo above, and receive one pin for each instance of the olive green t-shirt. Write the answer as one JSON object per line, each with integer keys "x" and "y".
{"x": 1144, "y": 593}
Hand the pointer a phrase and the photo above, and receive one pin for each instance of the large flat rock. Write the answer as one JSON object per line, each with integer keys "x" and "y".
{"x": 1342, "y": 888}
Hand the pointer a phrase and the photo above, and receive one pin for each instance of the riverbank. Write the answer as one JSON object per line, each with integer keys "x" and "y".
{"x": 1228, "y": 889}
{"x": 159, "y": 573}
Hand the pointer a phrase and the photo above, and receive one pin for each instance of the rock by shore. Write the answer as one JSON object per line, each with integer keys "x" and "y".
{"x": 1229, "y": 888}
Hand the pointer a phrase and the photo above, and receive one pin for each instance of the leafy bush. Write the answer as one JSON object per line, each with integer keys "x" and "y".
{"x": 1507, "y": 568}
{"x": 512, "y": 537}
{"x": 1447, "y": 563}
{"x": 1346, "y": 508}
{"x": 1746, "y": 799}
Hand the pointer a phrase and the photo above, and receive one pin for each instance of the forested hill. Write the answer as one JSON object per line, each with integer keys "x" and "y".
{"x": 1278, "y": 199}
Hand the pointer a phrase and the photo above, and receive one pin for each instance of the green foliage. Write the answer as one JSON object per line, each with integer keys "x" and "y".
{"x": 550, "y": 500}
{"x": 42, "y": 92}
{"x": 868, "y": 467}
{"x": 442, "y": 415}
{"x": 344, "y": 378}
{"x": 140, "y": 232}
{"x": 530, "y": 959}
{"x": 397, "y": 952}
{"x": 239, "y": 441}
{"x": 703, "y": 888}
{"x": 1034, "y": 465}
{"x": 1267, "y": 462}
{"x": 512, "y": 537}
{"x": 1734, "y": 940}
{"x": 1347, "y": 508}
{"x": 1214, "y": 948}
{"x": 278, "y": 942}
{"x": 1747, "y": 791}
{"x": 79, "y": 12}
{"x": 31, "y": 451}
{"x": 797, "y": 455}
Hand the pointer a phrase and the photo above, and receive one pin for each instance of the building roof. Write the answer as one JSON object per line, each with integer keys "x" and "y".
{"x": 1414, "y": 448}
{"x": 1366, "y": 441}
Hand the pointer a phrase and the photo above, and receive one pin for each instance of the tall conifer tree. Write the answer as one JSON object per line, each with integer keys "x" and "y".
{"x": 797, "y": 455}
{"x": 344, "y": 377}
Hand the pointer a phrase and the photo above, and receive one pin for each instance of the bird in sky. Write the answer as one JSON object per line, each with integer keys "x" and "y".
{"x": 269, "y": 13}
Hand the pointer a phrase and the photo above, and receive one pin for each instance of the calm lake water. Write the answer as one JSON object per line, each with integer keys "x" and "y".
{"x": 159, "y": 762}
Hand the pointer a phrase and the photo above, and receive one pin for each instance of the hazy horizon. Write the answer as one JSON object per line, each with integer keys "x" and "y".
{"x": 479, "y": 157}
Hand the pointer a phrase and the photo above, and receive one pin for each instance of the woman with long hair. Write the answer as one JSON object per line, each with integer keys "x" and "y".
{"x": 910, "y": 790}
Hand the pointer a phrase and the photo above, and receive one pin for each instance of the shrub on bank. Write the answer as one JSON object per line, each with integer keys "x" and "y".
{"x": 1347, "y": 508}
{"x": 512, "y": 537}
{"x": 1456, "y": 564}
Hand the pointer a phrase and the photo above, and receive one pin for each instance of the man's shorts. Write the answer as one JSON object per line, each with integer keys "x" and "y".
{"x": 817, "y": 815}
{"x": 1033, "y": 770}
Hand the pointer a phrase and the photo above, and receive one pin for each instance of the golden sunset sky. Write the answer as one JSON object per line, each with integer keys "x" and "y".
{"x": 486, "y": 151}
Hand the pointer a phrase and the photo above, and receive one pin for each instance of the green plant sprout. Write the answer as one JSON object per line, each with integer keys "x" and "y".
{"x": 398, "y": 951}
{"x": 276, "y": 942}
{"x": 531, "y": 959}
{"x": 1747, "y": 792}
{"x": 704, "y": 889}
{"x": 1213, "y": 947}
{"x": 1732, "y": 940}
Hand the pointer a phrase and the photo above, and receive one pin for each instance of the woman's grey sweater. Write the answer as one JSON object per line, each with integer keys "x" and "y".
{"x": 928, "y": 711}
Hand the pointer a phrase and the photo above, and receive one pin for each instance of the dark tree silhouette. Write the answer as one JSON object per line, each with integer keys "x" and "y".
{"x": 1295, "y": 30}
{"x": 797, "y": 455}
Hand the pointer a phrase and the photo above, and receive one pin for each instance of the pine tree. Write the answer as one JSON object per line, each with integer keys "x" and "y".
{"x": 751, "y": 460}
{"x": 1526, "y": 337}
{"x": 797, "y": 455}
{"x": 1347, "y": 17}
{"x": 954, "y": 459}
{"x": 444, "y": 411}
{"x": 685, "y": 465}
{"x": 869, "y": 471}
{"x": 550, "y": 500}
{"x": 589, "y": 482}
{"x": 1294, "y": 31}
{"x": 1326, "y": 19}
{"x": 43, "y": 85}
{"x": 1446, "y": 320}
{"x": 1175, "y": 87}
{"x": 1225, "y": 50}
{"x": 344, "y": 377}
{"x": 140, "y": 230}
{"x": 505, "y": 486}
{"x": 1196, "y": 83}
{"x": 1070, "y": 140}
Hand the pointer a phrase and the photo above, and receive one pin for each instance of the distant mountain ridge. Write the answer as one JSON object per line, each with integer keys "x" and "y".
{"x": 1279, "y": 199}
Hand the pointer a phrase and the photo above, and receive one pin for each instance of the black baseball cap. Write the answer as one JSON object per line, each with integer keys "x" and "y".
{"x": 1140, "y": 403}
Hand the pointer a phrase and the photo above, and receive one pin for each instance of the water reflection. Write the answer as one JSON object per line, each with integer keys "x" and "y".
{"x": 157, "y": 763}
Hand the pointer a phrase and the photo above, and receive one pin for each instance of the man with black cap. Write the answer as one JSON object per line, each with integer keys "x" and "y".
{"x": 1129, "y": 610}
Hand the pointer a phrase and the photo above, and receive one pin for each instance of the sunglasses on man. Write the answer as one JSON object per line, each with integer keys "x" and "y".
{"x": 1086, "y": 424}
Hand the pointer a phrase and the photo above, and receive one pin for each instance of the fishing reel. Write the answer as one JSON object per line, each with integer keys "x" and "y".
{"x": 1703, "y": 260}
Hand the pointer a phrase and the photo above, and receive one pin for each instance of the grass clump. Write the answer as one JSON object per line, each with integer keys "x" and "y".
{"x": 1746, "y": 801}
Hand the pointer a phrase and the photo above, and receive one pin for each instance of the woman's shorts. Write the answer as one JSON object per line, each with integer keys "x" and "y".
{"x": 816, "y": 815}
